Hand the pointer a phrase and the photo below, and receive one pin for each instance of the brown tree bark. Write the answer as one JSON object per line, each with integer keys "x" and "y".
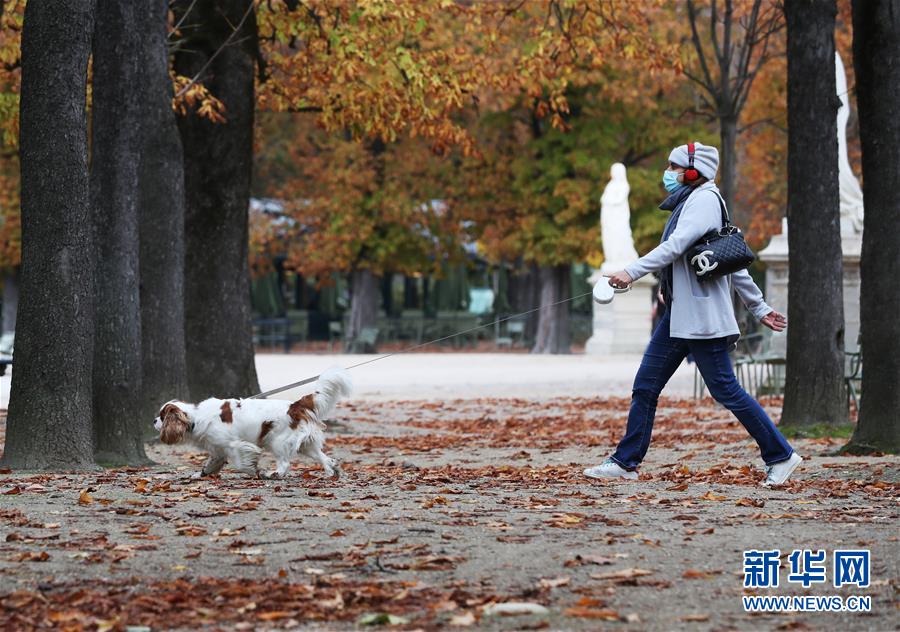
{"x": 876, "y": 59}
{"x": 814, "y": 386}
{"x": 219, "y": 47}
{"x": 553, "y": 333}
{"x": 115, "y": 156}
{"x": 161, "y": 216}
{"x": 49, "y": 424}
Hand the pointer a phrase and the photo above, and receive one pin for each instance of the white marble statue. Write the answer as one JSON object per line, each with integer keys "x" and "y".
{"x": 615, "y": 222}
{"x": 850, "y": 191}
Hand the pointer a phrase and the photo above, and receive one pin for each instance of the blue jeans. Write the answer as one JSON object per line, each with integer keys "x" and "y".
{"x": 662, "y": 357}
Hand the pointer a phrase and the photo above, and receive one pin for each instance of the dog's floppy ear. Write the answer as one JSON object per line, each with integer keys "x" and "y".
{"x": 175, "y": 423}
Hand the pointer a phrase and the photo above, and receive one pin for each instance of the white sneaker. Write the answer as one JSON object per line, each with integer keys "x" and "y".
{"x": 779, "y": 473}
{"x": 610, "y": 469}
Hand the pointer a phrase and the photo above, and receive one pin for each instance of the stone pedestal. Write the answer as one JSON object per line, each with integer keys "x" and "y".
{"x": 775, "y": 256}
{"x": 623, "y": 326}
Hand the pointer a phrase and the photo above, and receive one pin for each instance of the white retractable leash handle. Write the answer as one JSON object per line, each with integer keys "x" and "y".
{"x": 604, "y": 292}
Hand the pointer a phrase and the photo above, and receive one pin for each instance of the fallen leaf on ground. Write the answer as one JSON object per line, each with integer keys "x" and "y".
{"x": 463, "y": 620}
{"x": 580, "y": 560}
{"x": 625, "y": 573}
{"x": 592, "y": 613}
{"x": 695, "y": 617}
{"x": 381, "y": 618}
{"x": 554, "y": 582}
{"x": 274, "y": 615}
{"x": 514, "y": 608}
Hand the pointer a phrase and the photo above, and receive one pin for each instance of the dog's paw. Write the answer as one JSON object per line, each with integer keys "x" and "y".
{"x": 244, "y": 456}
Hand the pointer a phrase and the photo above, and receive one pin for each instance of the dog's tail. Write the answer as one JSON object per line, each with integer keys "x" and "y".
{"x": 332, "y": 385}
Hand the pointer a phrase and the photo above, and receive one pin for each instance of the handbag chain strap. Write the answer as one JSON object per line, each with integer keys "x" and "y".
{"x": 726, "y": 220}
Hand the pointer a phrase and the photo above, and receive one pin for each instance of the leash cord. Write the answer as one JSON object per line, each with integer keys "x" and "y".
{"x": 419, "y": 346}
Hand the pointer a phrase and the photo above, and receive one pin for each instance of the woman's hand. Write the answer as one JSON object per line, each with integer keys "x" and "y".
{"x": 620, "y": 280}
{"x": 774, "y": 321}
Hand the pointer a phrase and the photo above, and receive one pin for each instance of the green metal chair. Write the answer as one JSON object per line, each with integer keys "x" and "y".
{"x": 759, "y": 369}
{"x": 298, "y": 326}
{"x": 335, "y": 332}
{"x": 853, "y": 376}
{"x": 515, "y": 332}
{"x": 365, "y": 342}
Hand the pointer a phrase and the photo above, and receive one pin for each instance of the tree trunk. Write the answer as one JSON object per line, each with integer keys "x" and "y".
{"x": 217, "y": 168}
{"x": 410, "y": 293}
{"x": 728, "y": 166}
{"x": 49, "y": 424}
{"x": 553, "y": 331}
{"x": 10, "y": 300}
{"x": 161, "y": 216}
{"x": 363, "y": 308}
{"x": 814, "y": 386}
{"x": 387, "y": 293}
{"x": 524, "y": 296}
{"x": 115, "y": 156}
{"x": 876, "y": 55}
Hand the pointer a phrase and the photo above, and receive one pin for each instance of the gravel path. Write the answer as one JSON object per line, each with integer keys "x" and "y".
{"x": 448, "y": 507}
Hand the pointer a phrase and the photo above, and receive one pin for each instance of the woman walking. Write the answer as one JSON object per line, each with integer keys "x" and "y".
{"x": 699, "y": 320}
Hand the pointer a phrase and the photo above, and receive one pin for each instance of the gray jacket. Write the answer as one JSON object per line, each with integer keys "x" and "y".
{"x": 700, "y": 310}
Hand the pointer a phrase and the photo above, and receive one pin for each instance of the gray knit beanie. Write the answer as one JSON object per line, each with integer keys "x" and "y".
{"x": 706, "y": 159}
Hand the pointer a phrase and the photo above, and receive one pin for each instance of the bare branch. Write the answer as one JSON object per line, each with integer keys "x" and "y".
{"x": 695, "y": 37}
{"x": 183, "y": 18}
{"x": 771, "y": 122}
{"x": 746, "y": 51}
{"x": 714, "y": 35}
{"x": 750, "y": 41}
{"x": 212, "y": 57}
{"x": 306, "y": 108}
{"x": 727, "y": 47}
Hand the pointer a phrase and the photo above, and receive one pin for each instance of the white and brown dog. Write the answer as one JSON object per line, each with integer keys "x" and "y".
{"x": 238, "y": 430}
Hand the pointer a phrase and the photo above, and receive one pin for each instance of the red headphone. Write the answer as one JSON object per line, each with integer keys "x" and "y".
{"x": 691, "y": 174}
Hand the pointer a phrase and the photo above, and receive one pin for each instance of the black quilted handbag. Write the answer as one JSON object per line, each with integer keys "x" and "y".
{"x": 720, "y": 252}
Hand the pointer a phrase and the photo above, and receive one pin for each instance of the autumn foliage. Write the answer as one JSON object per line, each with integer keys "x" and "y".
{"x": 489, "y": 86}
